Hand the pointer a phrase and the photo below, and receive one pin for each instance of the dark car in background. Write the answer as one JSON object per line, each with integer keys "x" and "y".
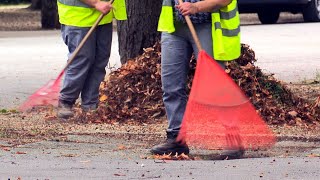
{"x": 269, "y": 10}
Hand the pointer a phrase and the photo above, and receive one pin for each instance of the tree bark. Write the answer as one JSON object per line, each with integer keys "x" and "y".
{"x": 140, "y": 30}
{"x": 49, "y": 15}
{"x": 35, "y": 4}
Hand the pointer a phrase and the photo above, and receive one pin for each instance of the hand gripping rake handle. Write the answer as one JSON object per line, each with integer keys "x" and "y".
{"x": 193, "y": 31}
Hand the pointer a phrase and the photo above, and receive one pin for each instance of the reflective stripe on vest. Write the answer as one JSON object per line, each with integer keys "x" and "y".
{"x": 225, "y": 29}
{"x": 77, "y": 3}
{"x": 226, "y": 32}
{"x": 79, "y": 14}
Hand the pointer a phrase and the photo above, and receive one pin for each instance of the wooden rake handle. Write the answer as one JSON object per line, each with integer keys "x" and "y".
{"x": 192, "y": 30}
{"x": 84, "y": 40}
{"x": 76, "y": 51}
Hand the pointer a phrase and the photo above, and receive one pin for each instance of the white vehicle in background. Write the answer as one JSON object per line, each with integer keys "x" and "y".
{"x": 269, "y": 10}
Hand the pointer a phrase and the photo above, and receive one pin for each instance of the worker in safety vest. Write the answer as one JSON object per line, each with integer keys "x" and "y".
{"x": 218, "y": 27}
{"x": 85, "y": 73}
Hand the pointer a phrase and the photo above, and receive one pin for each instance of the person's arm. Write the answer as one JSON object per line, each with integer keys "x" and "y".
{"x": 102, "y": 6}
{"x": 188, "y": 8}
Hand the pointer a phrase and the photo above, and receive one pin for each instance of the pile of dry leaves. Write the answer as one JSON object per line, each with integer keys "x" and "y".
{"x": 133, "y": 92}
{"x": 274, "y": 101}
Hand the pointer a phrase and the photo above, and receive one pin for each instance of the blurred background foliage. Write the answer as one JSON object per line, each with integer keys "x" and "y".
{"x": 14, "y": 1}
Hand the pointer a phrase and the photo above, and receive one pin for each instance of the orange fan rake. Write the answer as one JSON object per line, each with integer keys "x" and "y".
{"x": 219, "y": 115}
{"x": 49, "y": 93}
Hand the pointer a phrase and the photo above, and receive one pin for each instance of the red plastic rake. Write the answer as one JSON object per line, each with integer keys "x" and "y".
{"x": 49, "y": 93}
{"x": 218, "y": 115}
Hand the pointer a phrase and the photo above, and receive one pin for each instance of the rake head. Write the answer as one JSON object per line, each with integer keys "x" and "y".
{"x": 46, "y": 95}
{"x": 218, "y": 114}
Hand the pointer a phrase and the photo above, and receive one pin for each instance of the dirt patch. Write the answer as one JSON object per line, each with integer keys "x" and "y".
{"x": 17, "y": 129}
{"x": 21, "y": 128}
{"x": 19, "y": 18}
{"x": 307, "y": 90}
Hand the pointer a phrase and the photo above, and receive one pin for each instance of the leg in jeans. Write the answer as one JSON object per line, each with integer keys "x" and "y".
{"x": 77, "y": 71}
{"x": 97, "y": 72}
{"x": 176, "y": 54}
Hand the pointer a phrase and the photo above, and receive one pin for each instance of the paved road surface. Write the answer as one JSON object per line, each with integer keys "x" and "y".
{"x": 290, "y": 51}
{"x": 88, "y": 157}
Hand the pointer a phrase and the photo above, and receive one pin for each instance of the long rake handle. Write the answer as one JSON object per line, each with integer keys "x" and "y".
{"x": 76, "y": 51}
{"x": 192, "y": 30}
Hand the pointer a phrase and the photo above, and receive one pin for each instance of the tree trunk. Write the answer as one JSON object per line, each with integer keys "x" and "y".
{"x": 35, "y": 4}
{"x": 140, "y": 30}
{"x": 49, "y": 14}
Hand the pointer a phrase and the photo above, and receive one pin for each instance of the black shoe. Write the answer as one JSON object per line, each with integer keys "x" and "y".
{"x": 232, "y": 154}
{"x": 64, "y": 110}
{"x": 171, "y": 146}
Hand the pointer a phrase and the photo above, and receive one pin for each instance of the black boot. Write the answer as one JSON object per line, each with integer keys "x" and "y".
{"x": 64, "y": 110}
{"x": 171, "y": 146}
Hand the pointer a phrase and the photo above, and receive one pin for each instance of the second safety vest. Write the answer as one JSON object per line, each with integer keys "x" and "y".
{"x": 79, "y": 14}
{"x": 225, "y": 29}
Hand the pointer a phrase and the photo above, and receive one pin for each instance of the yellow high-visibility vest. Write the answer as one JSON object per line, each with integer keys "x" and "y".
{"x": 79, "y": 14}
{"x": 225, "y": 29}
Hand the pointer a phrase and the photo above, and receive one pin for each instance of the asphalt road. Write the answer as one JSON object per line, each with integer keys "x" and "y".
{"x": 290, "y": 51}
{"x": 99, "y": 157}
{"x": 99, "y": 168}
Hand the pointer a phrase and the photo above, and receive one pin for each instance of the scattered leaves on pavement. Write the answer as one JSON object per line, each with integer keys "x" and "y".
{"x": 171, "y": 157}
{"x": 70, "y": 155}
{"x": 6, "y": 148}
{"x": 313, "y": 155}
{"x": 20, "y": 152}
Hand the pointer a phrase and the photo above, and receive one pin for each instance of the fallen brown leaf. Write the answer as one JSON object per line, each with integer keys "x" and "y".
{"x": 20, "y": 152}
{"x": 313, "y": 155}
{"x": 6, "y": 149}
{"x": 122, "y": 147}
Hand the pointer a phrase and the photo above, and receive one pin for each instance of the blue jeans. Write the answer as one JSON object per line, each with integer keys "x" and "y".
{"x": 176, "y": 52}
{"x": 87, "y": 70}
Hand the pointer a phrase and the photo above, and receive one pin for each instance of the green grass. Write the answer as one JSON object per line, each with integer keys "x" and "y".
{"x": 3, "y": 111}
{"x": 317, "y": 78}
{"x": 6, "y": 111}
{"x": 314, "y": 80}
